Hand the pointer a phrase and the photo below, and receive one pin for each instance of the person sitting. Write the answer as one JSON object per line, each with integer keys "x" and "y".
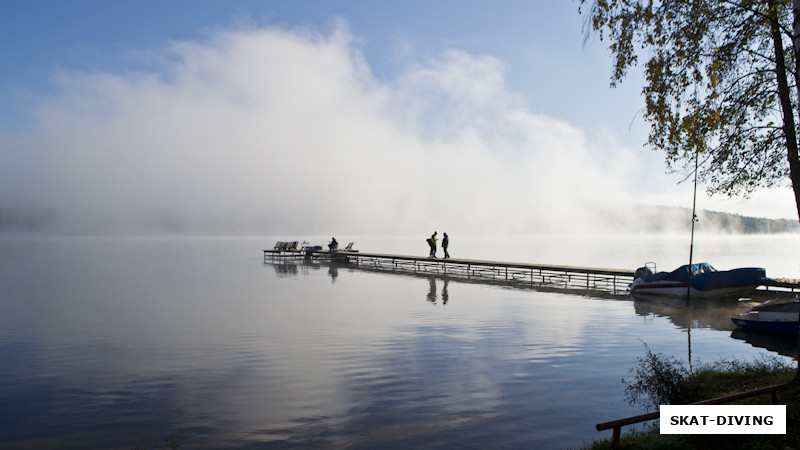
{"x": 333, "y": 246}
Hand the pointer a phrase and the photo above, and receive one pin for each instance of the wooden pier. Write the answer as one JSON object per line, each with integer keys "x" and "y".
{"x": 610, "y": 281}
{"x": 614, "y": 281}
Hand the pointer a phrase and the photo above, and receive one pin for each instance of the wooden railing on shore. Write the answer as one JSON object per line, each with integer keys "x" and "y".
{"x": 617, "y": 425}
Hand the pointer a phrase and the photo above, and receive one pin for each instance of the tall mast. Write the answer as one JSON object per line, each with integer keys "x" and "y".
{"x": 694, "y": 219}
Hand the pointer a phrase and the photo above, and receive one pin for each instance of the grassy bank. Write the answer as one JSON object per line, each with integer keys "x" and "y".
{"x": 664, "y": 380}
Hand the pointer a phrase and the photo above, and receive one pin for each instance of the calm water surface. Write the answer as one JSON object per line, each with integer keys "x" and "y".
{"x": 109, "y": 341}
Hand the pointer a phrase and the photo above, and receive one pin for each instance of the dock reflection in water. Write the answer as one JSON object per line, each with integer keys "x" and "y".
{"x": 685, "y": 314}
{"x": 104, "y": 341}
{"x": 778, "y": 343}
{"x": 713, "y": 314}
{"x": 701, "y": 313}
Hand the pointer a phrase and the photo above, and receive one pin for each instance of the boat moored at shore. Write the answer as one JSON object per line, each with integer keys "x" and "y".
{"x": 771, "y": 317}
{"x": 699, "y": 280}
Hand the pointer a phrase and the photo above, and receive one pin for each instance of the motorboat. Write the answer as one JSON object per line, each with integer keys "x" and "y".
{"x": 699, "y": 280}
{"x": 772, "y": 317}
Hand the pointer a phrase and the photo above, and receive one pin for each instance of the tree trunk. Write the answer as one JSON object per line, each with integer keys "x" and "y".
{"x": 788, "y": 114}
{"x": 796, "y": 44}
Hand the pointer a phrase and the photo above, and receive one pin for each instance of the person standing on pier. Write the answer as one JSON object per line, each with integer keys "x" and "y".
{"x": 432, "y": 243}
{"x": 445, "y": 243}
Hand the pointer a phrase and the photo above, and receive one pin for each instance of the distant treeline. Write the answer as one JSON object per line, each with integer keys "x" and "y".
{"x": 28, "y": 219}
{"x": 634, "y": 219}
{"x": 668, "y": 218}
{"x": 749, "y": 225}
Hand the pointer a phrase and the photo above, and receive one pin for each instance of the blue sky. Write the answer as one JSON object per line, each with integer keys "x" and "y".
{"x": 541, "y": 42}
{"x": 500, "y": 103}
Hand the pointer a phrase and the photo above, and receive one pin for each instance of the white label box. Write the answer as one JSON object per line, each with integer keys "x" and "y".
{"x": 723, "y": 419}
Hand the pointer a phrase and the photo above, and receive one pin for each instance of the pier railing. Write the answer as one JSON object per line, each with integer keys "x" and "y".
{"x": 615, "y": 281}
{"x": 781, "y": 287}
{"x": 617, "y": 425}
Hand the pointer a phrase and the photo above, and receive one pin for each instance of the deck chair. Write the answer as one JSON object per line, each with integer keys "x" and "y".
{"x": 349, "y": 247}
{"x": 277, "y": 246}
{"x": 292, "y": 247}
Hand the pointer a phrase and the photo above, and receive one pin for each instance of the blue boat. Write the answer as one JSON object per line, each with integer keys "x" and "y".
{"x": 699, "y": 280}
{"x": 778, "y": 318}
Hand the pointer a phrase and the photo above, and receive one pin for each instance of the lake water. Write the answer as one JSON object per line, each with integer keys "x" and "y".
{"x": 109, "y": 341}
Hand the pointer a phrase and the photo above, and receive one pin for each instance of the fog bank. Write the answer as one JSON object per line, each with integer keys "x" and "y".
{"x": 270, "y": 131}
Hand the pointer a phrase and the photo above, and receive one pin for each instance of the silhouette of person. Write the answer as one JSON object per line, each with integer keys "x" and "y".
{"x": 445, "y": 243}
{"x": 333, "y": 271}
{"x": 333, "y": 246}
{"x": 432, "y": 243}
{"x": 432, "y": 289}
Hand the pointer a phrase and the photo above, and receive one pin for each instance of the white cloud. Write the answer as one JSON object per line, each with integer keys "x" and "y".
{"x": 277, "y": 131}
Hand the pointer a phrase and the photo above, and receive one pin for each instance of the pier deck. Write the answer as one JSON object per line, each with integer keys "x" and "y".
{"x": 614, "y": 281}
{"x": 567, "y": 277}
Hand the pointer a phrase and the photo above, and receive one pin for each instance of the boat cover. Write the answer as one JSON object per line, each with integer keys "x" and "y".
{"x": 705, "y": 277}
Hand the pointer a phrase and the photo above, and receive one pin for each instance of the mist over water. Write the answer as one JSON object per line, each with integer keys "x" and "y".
{"x": 118, "y": 323}
{"x": 107, "y": 341}
{"x": 269, "y": 130}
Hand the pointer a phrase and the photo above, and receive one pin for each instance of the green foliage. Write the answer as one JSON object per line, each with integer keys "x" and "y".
{"x": 656, "y": 380}
{"x": 718, "y": 83}
{"x": 652, "y": 439}
{"x": 726, "y": 377}
{"x": 660, "y": 379}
